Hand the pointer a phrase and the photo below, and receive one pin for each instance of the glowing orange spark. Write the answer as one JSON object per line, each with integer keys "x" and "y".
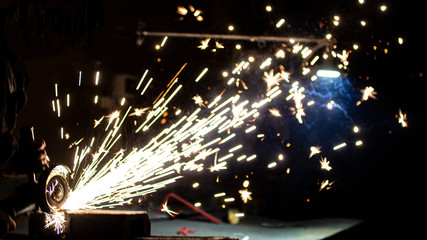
{"x": 326, "y": 185}
{"x": 97, "y": 122}
{"x": 368, "y": 92}
{"x": 314, "y": 150}
{"x": 204, "y": 44}
{"x": 272, "y": 79}
{"x": 402, "y": 119}
{"x": 168, "y": 211}
{"x": 198, "y": 100}
{"x": 245, "y": 195}
{"x": 283, "y": 74}
{"x": 139, "y": 111}
{"x": 324, "y": 164}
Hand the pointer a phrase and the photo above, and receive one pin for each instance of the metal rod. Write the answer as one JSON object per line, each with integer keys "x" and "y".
{"x": 319, "y": 41}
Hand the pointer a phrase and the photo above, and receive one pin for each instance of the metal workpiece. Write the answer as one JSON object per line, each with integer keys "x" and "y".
{"x": 89, "y": 224}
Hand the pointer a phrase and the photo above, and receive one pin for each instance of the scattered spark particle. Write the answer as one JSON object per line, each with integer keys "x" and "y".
{"x": 164, "y": 41}
{"x": 368, "y": 92}
{"x": 324, "y": 164}
{"x": 245, "y": 195}
{"x": 272, "y": 79}
{"x": 272, "y": 165}
{"x": 251, "y": 158}
{"x": 218, "y": 45}
{"x": 246, "y": 183}
{"x": 283, "y": 74}
{"x": 97, "y": 122}
{"x": 139, "y": 112}
{"x": 230, "y": 199}
{"x": 402, "y": 119}
{"x": 356, "y": 129}
{"x": 275, "y": 112}
{"x": 204, "y": 44}
{"x": 280, "y": 157}
{"x": 198, "y": 100}
{"x": 168, "y": 211}
{"x": 280, "y": 53}
{"x": 182, "y": 10}
{"x": 383, "y": 8}
{"x": 196, "y": 185}
{"x": 400, "y": 40}
{"x": 68, "y": 100}
{"x": 239, "y": 215}
{"x": 201, "y": 75}
{"x": 358, "y": 143}
{"x": 123, "y": 101}
{"x": 268, "y": 8}
{"x": 330, "y": 104}
{"x": 326, "y": 185}
{"x": 314, "y": 150}
{"x": 198, "y": 204}
{"x": 221, "y": 194}
{"x": 339, "y": 146}
{"x": 235, "y": 148}
{"x": 230, "y": 28}
{"x": 97, "y": 78}
{"x": 266, "y": 63}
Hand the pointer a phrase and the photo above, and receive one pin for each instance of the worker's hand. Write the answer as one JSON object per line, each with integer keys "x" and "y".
{"x": 6, "y": 223}
{"x": 32, "y": 156}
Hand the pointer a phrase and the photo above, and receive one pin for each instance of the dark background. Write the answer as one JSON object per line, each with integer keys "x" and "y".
{"x": 56, "y": 39}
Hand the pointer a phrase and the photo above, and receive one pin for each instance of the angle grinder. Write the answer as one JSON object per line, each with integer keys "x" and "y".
{"x": 47, "y": 190}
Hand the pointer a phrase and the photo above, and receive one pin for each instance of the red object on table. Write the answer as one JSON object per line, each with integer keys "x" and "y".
{"x": 189, "y": 205}
{"x": 185, "y": 231}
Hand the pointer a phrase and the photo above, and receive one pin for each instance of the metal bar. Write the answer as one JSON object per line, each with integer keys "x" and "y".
{"x": 239, "y": 37}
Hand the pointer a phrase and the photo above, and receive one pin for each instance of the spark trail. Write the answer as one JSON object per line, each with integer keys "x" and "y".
{"x": 115, "y": 179}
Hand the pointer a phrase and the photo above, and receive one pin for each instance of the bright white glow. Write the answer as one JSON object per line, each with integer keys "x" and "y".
{"x": 97, "y": 78}
{"x": 280, "y": 23}
{"x": 328, "y": 73}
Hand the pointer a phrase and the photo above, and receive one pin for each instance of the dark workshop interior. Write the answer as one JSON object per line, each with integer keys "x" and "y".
{"x": 256, "y": 119}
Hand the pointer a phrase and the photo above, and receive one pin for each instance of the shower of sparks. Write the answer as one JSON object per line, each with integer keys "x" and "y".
{"x": 402, "y": 119}
{"x": 324, "y": 164}
{"x": 111, "y": 179}
{"x": 245, "y": 195}
{"x": 55, "y": 221}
